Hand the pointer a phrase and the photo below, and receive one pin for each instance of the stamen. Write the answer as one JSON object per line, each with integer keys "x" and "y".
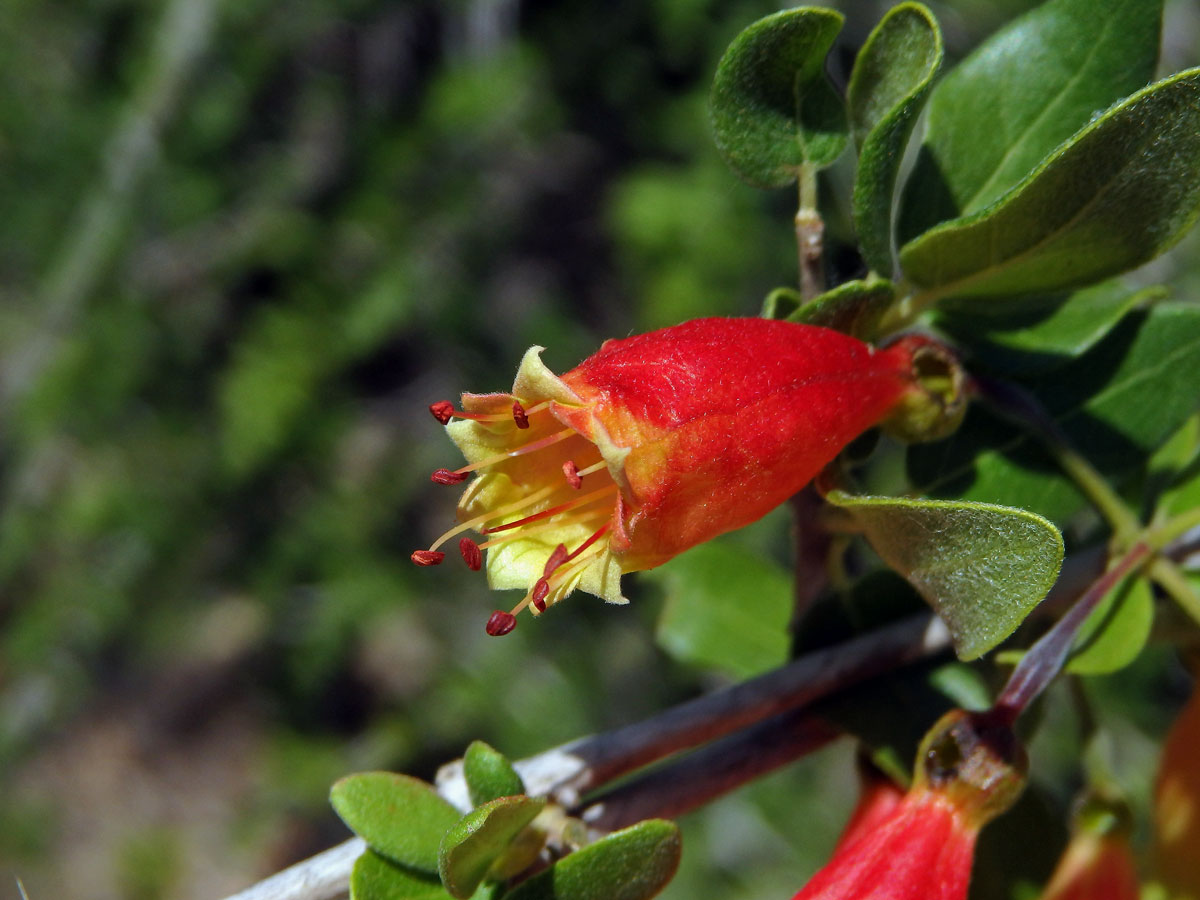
{"x": 445, "y": 476}
{"x": 501, "y": 623}
{"x": 603, "y": 529}
{"x": 498, "y": 512}
{"x": 471, "y": 554}
{"x": 563, "y": 582}
{"x": 582, "y": 562}
{"x": 556, "y": 559}
{"x": 548, "y": 441}
{"x": 595, "y": 467}
{"x": 588, "y": 516}
{"x": 444, "y": 411}
{"x": 560, "y": 556}
{"x": 555, "y": 510}
{"x": 541, "y": 588}
{"x": 427, "y": 557}
{"x": 572, "y": 473}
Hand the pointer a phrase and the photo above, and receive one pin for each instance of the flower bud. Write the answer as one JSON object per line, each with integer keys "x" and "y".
{"x": 935, "y": 407}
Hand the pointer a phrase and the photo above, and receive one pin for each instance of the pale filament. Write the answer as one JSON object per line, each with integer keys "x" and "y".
{"x": 516, "y": 505}
{"x": 499, "y": 417}
{"x": 548, "y": 441}
{"x": 556, "y": 510}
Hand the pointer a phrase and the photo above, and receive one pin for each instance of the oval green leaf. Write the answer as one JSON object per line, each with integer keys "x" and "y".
{"x": 773, "y": 110}
{"x": 781, "y": 303}
{"x": 632, "y": 864}
{"x": 700, "y": 626}
{"x": 375, "y": 877}
{"x": 480, "y": 838}
{"x": 855, "y": 308}
{"x": 401, "y": 817}
{"x": 1120, "y": 192}
{"x": 1043, "y": 333}
{"x": 489, "y": 774}
{"x": 1115, "y": 633}
{"x": 1116, "y": 404}
{"x": 981, "y": 567}
{"x": 889, "y": 84}
{"x": 1019, "y": 95}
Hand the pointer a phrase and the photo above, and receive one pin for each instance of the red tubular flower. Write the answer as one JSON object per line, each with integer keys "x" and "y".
{"x": 922, "y": 847}
{"x": 878, "y": 798}
{"x": 1098, "y": 863}
{"x": 656, "y": 443}
{"x": 1177, "y": 805}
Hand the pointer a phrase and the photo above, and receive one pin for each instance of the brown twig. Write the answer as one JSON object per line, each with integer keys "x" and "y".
{"x": 702, "y": 776}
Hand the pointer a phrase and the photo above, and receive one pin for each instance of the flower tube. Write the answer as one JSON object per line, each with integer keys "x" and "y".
{"x": 653, "y": 445}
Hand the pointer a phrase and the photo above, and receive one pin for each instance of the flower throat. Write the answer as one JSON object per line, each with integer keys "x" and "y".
{"x": 552, "y": 482}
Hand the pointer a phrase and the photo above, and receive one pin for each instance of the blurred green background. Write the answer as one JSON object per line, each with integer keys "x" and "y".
{"x": 244, "y": 245}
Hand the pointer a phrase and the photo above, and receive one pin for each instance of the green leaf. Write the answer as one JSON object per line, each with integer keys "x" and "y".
{"x": 632, "y": 864}
{"x": 725, "y": 609}
{"x": 374, "y": 877}
{"x": 1178, "y": 465}
{"x": 1116, "y": 404}
{"x": 401, "y": 817}
{"x": 1019, "y": 95}
{"x": 781, "y": 303}
{"x": 1115, "y": 633}
{"x": 480, "y": 838}
{"x": 489, "y": 774}
{"x": 1042, "y": 333}
{"x": 981, "y": 567}
{"x": 1113, "y": 197}
{"x": 891, "y": 80}
{"x": 855, "y": 308}
{"x": 773, "y": 109}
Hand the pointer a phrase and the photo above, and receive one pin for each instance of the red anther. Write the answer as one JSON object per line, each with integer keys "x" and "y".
{"x": 557, "y": 558}
{"x": 445, "y": 476}
{"x": 541, "y": 589}
{"x": 443, "y": 410}
{"x": 501, "y": 623}
{"x": 471, "y": 554}
{"x": 427, "y": 557}
{"x": 519, "y": 416}
{"x": 574, "y": 479}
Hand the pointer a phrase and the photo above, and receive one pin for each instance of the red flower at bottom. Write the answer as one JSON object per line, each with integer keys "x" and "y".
{"x": 922, "y": 847}
{"x": 922, "y": 851}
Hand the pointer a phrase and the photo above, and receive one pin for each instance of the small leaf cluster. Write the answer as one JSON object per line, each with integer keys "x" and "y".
{"x": 507, "y": 845}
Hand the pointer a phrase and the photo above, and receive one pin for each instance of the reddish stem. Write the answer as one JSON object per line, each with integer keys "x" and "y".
{"x": 1045, "y": 659}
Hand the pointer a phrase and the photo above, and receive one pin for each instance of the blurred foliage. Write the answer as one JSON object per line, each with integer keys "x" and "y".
{"x": 245, "y": 245}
